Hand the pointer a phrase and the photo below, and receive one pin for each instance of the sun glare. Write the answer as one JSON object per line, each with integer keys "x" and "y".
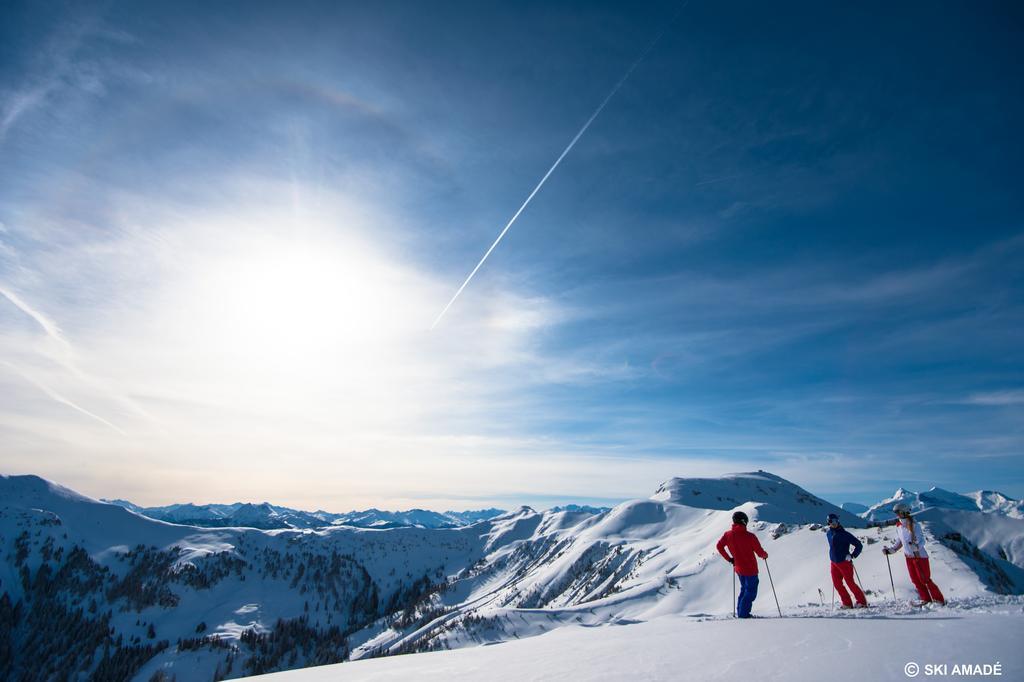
{"x": 291, "y": 307}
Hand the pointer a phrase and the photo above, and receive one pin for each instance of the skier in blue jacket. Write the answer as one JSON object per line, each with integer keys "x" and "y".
{"x": 840, "y": 554}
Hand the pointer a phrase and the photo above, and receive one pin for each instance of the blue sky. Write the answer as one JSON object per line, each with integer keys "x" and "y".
{"x": 791, "y": 241}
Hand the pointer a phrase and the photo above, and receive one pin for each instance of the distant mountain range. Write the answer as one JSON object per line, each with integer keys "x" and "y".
{"x": 266, "y": 516}
{"x": 719, "y": 493}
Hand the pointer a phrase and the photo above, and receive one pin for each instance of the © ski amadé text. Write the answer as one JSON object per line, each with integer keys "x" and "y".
{"x": 912, "y": 669}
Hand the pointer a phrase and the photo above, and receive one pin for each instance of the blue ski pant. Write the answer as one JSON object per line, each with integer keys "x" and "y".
{"x": 748, "y": 593}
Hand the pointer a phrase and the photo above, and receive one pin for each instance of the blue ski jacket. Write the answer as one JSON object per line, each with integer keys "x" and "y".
{"x": 839, "y": 542}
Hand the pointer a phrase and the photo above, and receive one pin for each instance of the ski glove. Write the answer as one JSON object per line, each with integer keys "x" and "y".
{"x": 731, "y": 561}
{"x": 886, "y": 551}
{"x": 849, "y": 557}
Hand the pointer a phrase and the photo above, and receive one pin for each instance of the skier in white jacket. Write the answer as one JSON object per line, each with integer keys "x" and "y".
{"x": 910, "y": 537}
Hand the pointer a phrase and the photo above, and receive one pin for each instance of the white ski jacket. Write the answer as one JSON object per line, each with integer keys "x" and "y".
{"x": 912, "y": 541}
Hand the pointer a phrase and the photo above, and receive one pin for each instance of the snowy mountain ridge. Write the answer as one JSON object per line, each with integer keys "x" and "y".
{"x": 134, "y": 596}
{"x": 986, "y": 501}
{"x": 779, "y": 500}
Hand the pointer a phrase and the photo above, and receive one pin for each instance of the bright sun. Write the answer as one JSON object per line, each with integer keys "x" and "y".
{"x": 302, "y": 306}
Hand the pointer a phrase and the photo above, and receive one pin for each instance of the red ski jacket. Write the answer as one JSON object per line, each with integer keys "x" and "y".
{"x": 744, "y": 545}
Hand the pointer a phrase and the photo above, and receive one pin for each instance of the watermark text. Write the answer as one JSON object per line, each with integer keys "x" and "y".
{"x": 913, "y": 669}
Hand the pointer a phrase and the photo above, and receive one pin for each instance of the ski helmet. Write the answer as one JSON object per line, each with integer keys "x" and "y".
{"x": 901, "y": 508}
{"x": 832, "y": 518}
{"x": 740, "y": 517}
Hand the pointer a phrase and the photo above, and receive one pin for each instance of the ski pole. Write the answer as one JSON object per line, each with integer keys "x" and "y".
{"x": 889, "y": 564}
{"x": 857, "y": 576}
{"x": 734, "y": 614}
{"x": 772, "y": 583}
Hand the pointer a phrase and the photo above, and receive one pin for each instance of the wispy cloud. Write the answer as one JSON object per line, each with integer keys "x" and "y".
{"x": 54, "y": 67}
{"x": 996, "y": 398}
{"x": 20, "y": 102}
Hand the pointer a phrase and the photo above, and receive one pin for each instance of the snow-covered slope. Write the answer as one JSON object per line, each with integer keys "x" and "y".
{"x": 95, "y": 525}
{"x": 810, "y": 646}
{"x": 97, "y": 567}
{"x": 986, "y": 501}
{"x": 991, "y": 544}
{"x": 248, "y": 601}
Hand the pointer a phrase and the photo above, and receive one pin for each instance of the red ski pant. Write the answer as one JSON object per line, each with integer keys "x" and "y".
{"x": 921, "y": 576}
{"x": 843, "y": 571}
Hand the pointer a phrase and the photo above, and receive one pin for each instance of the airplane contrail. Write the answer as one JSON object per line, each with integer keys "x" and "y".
{"x": 60, "y": 398}
{"x": 561, "y": 156}
{"x": 65, "y": 359}
{"x": 48, "y": 325}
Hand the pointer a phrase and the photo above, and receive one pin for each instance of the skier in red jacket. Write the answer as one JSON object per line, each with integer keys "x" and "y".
{"x": 743, "y": 545}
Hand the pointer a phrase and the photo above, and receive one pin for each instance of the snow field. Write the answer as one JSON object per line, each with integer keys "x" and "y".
{"x": 807, "y": 646}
